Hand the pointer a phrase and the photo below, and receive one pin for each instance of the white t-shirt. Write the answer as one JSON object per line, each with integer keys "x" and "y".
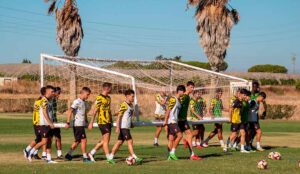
{"x": 160, "y": 109}
{"x": 78, "y": 106}
{"x": 174, "y": 105}
{"x": 127, "y": 112}
{"x": 44, "y": 104}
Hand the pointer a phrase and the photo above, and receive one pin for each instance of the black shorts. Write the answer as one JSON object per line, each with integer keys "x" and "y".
{"x": 173, "y": 129}
{"x": 55, "y": 133}
{"x": 244, "y": 126}
{"x": 198, "y": 126}
{"x": 183, "y": 125}
{"x": 45, "y": 131}
{"x": 254, "y": 125}
{"x": 79, "y": 133}
{"x": 124, "y": 135}
{"x": 105, "y": 128}
{"x": 235, "y": 127}
{"x": 37, "y": 133}
{"x": 218, "y": 125}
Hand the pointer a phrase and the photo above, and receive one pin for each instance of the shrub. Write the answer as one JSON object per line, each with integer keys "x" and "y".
{"x": 287, "y": 81}
{"x": 297, "y": 85}
{"x": 30, "y": 77}
{"x": 268, "y": 68}
{"x": 269, "y": 82}
{"x": 280, "y": 111}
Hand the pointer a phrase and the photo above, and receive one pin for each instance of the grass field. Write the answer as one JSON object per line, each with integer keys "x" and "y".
{"x": 282, "y": 136}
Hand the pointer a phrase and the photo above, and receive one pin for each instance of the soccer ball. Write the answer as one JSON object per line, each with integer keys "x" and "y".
{"x": 262, "y": 164}
{"x": 130, "y": 161}
{"x": 274, "y": 155}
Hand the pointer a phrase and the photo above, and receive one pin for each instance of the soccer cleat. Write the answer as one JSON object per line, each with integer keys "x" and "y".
{"x": 156, "y": 144}
{"x": 44, "y": 157}
{"x": 86, "y": 160}
{"x": 68, "y": 157}
{"x": 173, "y": 157}
{"x": 204, "y": 145}
{"x": 195, "y": 157}
{"x": 37, "y": 157}
{"x": 25, "y": 153}
{"x": 110, "y": 161}
{"x": 244, "y": 151}
{"x": 29, "y": 158}
{"x": 185, "y": 143}
{"x": 60, "y": 157}
{"x": 51, "y": 162}
{"x": 260, "y": 149}
{"x": 139, "y": 161}
{"x": 91, "y": 157}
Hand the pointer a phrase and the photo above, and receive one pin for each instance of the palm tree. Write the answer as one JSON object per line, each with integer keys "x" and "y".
{"x": 214, "y": 23}
{"x": 69, "y": 34}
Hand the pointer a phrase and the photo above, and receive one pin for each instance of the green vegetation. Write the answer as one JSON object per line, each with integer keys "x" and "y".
{"x": 268, "y": 68}
{"x": 26, "y": 61}
{"x": 16, "y": 131}
{"x": 297, "y": 85}
{"x": 280, "y": 111}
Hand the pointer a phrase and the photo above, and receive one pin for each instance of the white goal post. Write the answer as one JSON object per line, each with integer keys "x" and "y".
{"x": 145, "y": 77}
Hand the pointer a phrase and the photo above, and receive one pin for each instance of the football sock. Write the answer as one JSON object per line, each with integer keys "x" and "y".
{"x": 242, "y": 147}
{"x": 194, "y": 143}
{"x": 93, "y": 152}
{"x": 48, "y": 157}
{"x": 32, "y": 151}
{"x": 258, "y": 145}
{"x": 84, "y": 155}
{"x": 198, "y": 143}
{"x": 44, "y": 154}
{"x": 222, "y": 142}
{"x": 108, "y": 156}
{"x": 59, "y": 153}
{"x": 172, "y": 151}
{"x": 155, "y": 140}
{"x": 35, "y": 152}
{"x": 28, "y": 148}
{"x": 134, "y": 156}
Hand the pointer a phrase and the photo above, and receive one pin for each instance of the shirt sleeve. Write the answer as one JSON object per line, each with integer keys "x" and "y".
{"x": 212, "y": 103}
{"x": 192, "y": 104}
{"x": 74, "y": 104}
{"x": 98, "y": 102}
{"x": 123, "y": 108}
{"x": 235, "y": 104}
{"x": 171, "y": 103}
{"x": 44, "y": 103}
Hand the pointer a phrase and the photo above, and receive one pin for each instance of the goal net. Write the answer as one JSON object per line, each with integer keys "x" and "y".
{"x": 146, "y": 78}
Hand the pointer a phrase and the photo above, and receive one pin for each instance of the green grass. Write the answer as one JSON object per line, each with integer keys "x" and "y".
{"x": 16, "y": 133}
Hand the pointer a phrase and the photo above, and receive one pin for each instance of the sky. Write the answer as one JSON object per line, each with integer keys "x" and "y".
{"x": 268, "y": 33}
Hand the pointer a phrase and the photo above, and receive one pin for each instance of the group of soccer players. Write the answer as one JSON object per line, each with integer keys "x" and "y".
{"x": 244, "y": 118}
{"x": 44, "y": 117}
{"x": 173, "y": 111}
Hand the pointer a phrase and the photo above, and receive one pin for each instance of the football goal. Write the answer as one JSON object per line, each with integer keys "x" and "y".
{"x": 146, "y": 78}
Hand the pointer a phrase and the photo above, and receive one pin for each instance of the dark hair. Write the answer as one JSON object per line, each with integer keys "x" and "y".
{"x": 243, "y": 91}
{"x": 248, "y": 93}
{"x": 190, "y": 83}
{"x": 49, "y": 87}
{"x": 43, "y": 90}
{"x": 255, "y": 83}
{"x": 180, "y": 88}
{"x": 219, "y": 90}
{"x": 129, "y": 92}
{"x": 86, "y": 89}
{"x": 106, "y": 85}
{"x": 264, "y": 95}
{"x": 57, "y": 89}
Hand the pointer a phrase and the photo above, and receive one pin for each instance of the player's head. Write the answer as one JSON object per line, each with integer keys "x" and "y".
{"x": 247, "y": 95}
{"x": 43, "y": 91}
{"x": 85, "y": 93}
{"x": 129, "y": 94}
{"x": 107, "y": 87}
{"x": 255, "y": 87}
{"x": 190, "y": 87}
{"x": 57, "y": 91}
{"x": 219, "y": 93}
{"x": 237, "y": 92}
{"x": 197, "y": 94}
{"x": 49, "y": 91}
{"x": 261, "y": 97}
{"x": 243, "y": 93}
{"x": 180, "y": 90}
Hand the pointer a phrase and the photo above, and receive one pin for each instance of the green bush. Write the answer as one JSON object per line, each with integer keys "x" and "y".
{"x": 280, "y": 111}
{"x": 287, "y": 82}
{"x": 30, "y": 77}
{"x": 205, "y": 65}
{"x": 268, "y": 68}
{"x": 269, "y": 82}
{"x": 2, "y": 74}
{"x": 297, "y": 85}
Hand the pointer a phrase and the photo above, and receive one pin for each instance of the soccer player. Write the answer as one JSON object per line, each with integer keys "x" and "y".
{"x": 56, "y": 131}
{"x": 160, "y": 103}
{"x": 171, "y": 121}
{"x": 253, "y": 119}
{"x": 123, "y": 125}
{"x": 215, "y": 109}
{"x": 36, "y": 127}
{"x": 182, "y": 119}
{"x": 78, "y": 109}
{"x": 45, "y": 123}
{"x": 102, "y": 109}
{"x": 236, "y": 121}
{"x": 197, "y": 111}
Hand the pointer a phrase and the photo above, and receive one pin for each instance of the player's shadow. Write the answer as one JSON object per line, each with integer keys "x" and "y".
{"x": 273, "y": 147}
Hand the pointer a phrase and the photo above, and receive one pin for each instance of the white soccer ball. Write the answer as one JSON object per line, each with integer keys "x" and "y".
{"x": 274, "y": 156}
{"x": 262, "y": 164}
{"x": 130, "y": 161}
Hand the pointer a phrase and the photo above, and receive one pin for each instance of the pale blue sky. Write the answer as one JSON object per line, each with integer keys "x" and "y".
{"x": 269, "y": 31}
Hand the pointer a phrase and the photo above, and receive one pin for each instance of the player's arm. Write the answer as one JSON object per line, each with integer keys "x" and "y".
{"x": 171, "y": 105}
{"x": 93, "y": 112}
{"x": 159, "y": 100}
{"x": 69, "y": 116}
{"x": 46, "y": 115}
{"x": 123, "y": 108}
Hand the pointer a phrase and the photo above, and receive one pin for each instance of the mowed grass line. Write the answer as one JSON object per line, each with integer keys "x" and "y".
{"x": 15, "y": 134}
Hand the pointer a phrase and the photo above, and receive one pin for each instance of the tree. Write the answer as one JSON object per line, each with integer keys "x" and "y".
{"x": 214, "y": 23}
{"x": 26, "y": 61}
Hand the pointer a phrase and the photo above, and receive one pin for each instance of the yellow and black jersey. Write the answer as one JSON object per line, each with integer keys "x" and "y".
{"x": 126, "y": 110}
{"x": 102, "y": 105}
{"x": 36, "y": 111}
